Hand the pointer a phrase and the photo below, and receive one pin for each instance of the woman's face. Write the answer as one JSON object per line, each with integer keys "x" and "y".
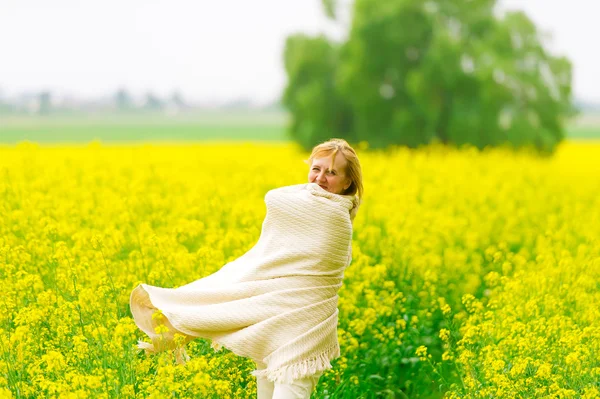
{"x": 334, "y": 181}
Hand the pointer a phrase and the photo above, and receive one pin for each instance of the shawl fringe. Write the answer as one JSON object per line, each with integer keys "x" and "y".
{"x": 287, "y": 374}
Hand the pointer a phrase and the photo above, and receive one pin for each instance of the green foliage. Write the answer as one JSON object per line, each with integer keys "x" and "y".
{"x": 312, "y": 96}
{"x": 413, "y": 72}
{"x": 329, "y": 7}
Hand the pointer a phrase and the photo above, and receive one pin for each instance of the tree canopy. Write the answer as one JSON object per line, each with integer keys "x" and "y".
{"x": 412, "y": 72}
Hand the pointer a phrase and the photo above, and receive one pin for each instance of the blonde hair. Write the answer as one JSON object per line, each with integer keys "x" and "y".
{"x": 353, "y": 169}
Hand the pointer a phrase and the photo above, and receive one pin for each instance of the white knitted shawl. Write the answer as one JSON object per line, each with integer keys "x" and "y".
{"x": 277, "y": 303}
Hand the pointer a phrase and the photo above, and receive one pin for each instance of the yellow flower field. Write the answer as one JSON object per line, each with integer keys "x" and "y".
{"x": 474, "y": 274}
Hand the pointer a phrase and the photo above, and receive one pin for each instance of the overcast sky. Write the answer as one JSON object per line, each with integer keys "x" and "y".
{"x": 210, "y": 50}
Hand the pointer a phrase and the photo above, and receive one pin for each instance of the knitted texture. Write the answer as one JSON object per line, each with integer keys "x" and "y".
{"x": 277, "y": 303}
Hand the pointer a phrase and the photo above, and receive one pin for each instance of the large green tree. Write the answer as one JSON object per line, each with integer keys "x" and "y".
{"x": 317, "y": 107}
{"x": 415, "y": 71}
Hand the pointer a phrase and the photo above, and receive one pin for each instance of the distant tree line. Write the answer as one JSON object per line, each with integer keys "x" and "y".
{"x": 124, "y": 101}
{"x": 413, "y": 72}
{"x": 45, "y": 102}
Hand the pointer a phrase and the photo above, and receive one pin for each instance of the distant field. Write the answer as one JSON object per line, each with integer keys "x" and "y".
{"x": 583, "y": 132}
{"x": 208, "y": 126}
{"x": 586, "y": 126}
{"x": 215, "y": 126}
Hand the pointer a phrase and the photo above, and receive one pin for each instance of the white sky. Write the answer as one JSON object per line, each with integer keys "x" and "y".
{"x": 213, "y": 50}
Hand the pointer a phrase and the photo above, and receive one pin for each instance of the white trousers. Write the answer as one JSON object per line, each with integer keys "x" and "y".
{"x": 298, "y": 389}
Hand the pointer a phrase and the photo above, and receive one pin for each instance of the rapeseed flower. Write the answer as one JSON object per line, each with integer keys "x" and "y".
{"x": 476, "y": 269}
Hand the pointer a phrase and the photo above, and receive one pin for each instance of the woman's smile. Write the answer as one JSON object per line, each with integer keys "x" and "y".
{"x": 333, "y": 180}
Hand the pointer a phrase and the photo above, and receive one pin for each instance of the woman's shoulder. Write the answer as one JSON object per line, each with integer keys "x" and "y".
{"x": 347, "y": 201}
{"x": 288, "y": 189}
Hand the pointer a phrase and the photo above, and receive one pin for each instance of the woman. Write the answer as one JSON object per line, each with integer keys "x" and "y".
{"x": 277, "y": 303}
